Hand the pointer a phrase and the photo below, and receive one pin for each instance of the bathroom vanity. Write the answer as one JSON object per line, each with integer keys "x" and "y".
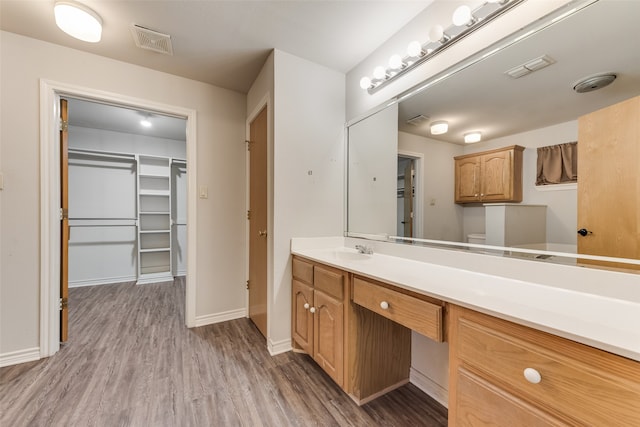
{"x": 521, "y": 352}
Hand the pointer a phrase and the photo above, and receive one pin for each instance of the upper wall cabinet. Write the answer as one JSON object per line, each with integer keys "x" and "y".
{"x": 489, "y": 176}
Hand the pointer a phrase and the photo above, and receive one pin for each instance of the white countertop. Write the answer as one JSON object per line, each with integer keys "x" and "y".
{"x": 594, "y": 307}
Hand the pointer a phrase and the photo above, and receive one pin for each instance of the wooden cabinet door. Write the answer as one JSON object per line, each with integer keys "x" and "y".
{"x": 328, "y": 335}
{"x": 467, "y": 180}
{"x": 495, "y": 169}
{"x": 302, "y": 321}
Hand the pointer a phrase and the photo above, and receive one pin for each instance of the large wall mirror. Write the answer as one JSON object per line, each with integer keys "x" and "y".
{"x": 401, "y": 176}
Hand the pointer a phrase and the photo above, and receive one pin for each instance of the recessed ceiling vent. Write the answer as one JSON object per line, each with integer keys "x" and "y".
{"x": 417, "y": 120}
{"x": 592, "y": 83}
{"x": 151, "y": 40}
{"x": 530, "y": 67}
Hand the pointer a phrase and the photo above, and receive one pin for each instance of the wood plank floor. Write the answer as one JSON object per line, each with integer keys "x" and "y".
{"x": 131, "y": 362}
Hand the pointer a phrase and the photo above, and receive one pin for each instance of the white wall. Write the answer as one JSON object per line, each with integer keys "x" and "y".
{"x": 442, "y": 220}
{"x": 373, "y": 173}
{"x": 308, "y": 170}
{"x": 220, "y": 131}
{"x": 562, "y": 206}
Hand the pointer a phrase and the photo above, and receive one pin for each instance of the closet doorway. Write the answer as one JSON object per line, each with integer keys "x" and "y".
{"x": 124, "y": 176}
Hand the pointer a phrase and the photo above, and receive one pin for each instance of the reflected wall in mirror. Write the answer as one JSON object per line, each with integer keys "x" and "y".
{"x": 538, "y": 109}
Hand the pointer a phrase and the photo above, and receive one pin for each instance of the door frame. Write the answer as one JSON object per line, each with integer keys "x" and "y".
{"x": 418, "y": 199}
{"x": 265, "y": 101}
{"x": 50, "y": 93}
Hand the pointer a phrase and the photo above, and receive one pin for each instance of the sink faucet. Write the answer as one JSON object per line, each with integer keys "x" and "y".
{"x": 364, "y": 249}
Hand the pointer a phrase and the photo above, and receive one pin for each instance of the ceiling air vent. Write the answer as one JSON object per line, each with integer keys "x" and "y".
{"x": 417, "y": 120}
{"x": 531, "y": 66}
{"x": 152, "y": 40}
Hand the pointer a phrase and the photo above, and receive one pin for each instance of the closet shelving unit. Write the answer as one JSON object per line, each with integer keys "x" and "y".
{"x": 154, "y": 219}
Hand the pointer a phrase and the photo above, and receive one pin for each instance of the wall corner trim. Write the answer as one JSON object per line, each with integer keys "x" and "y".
{"x": 429, "y": 386}
{"x": 210, "y": 319}
{"x": 19, "y": 356}
{"x": 279, "y": 347}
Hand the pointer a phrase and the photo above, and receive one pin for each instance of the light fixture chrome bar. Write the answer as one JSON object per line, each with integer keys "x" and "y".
{"x": 452, "y": 34}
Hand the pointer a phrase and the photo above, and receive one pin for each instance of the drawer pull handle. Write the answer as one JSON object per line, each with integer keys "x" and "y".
{"x": 384, "y": 305}
{"x": 306, "y": 306}
{"x": 312, "y": 309}
{"x": 532, "y": 375}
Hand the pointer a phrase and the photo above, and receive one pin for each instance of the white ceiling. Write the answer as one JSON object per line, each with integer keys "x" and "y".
{"x": 94, "y": 115}
{"x": 225, "y": 43}
{"x": 600, "y": 38}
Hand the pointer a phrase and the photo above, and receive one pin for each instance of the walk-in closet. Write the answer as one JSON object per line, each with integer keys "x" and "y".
{"x": 127, "y": 195}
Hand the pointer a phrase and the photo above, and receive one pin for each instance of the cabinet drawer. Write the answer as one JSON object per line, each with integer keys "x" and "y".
{"x": 329, "y": 281}
{"x": 481, "y": 403}
{"x": 587, "y": 385}
{"x": 302, "y": 270}
{"x": 421, "y": 316}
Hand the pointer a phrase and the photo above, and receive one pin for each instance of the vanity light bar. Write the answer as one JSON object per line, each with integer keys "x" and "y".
{"x": 439, "y": 39}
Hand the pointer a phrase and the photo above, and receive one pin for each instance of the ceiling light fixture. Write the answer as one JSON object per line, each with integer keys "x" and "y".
{"x": 439, "y": 127}
{"x": 145, "y": 123}
{"x": 465, "y": 21}
{"x": 471, "y": 137}
{"x": 78, "y": 21}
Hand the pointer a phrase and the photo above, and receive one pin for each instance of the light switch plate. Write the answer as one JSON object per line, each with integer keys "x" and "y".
{"x": 204, "y": 192}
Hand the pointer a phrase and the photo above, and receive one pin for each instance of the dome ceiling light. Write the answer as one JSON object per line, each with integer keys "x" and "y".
{"x": 78, "y": 21}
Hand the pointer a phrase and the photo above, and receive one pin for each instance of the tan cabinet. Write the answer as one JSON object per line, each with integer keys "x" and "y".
{"x": 490, "y": 176}
{"x": 505, "y": 374}
{"x": 318, "y": 315}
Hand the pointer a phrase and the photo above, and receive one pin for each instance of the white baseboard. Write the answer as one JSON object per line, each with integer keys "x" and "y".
{"x": 19, "y": 356}
{"x": 278, "y": 347}
{"x": 102, "y": 281}
{"x": 210, "y": 319}
{"x": 430, "y": 387}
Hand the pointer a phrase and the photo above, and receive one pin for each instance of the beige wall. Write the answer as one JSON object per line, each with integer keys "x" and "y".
{"x": 220, "y": 132}
{"x": 306, "y": 134}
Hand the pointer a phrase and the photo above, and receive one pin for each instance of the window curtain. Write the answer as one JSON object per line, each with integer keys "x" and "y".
{"x": 557, "y": 164}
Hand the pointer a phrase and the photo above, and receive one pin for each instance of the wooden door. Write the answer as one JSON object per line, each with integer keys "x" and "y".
{"x": 258, "y": 221}
{"x": 328, "y": 327}
{"x": 408, "y": 200}
{"x": 64, "y": 221}
{"x": 609, "y": 182}
{"x": 467, "y": 179}
{"x": 496, "y": 176}
{"x": 302, "y": 321}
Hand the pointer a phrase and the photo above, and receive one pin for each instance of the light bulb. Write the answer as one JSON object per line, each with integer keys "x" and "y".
{"x": 436, "y": 33}
{"x": 395, "y": 62}
{"x": 78, "y": 21}
{"x": 462, "y": 16}
{"x": 365, "y": 83}
{"x": 414, "y": 49}
{"x": 145, "y": 123}
{"x": 439, "y": 127}
{"x": 472, "y": 137}
{"x": 379, "y": 72}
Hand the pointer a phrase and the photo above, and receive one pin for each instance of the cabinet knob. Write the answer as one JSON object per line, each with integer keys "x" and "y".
{"x": 384, "y": 305}
{"x": 306, "y": 306}
{"x": 481, "y": 194}
{"x": 532, "y": 375}
{"x": 312, "y": 309}
{"x": 475, "y": 195}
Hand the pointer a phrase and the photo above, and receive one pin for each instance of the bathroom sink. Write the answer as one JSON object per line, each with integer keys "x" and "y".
{"x": 348, "y": 255}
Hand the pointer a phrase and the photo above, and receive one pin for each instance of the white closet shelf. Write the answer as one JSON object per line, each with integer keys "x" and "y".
{"x": 153, "y": 175}
{"x": 155, "y": 192}
{"x": 155, "y": 250}
{"x": 153, "y": 231}
{"x": 155, "y": 213}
